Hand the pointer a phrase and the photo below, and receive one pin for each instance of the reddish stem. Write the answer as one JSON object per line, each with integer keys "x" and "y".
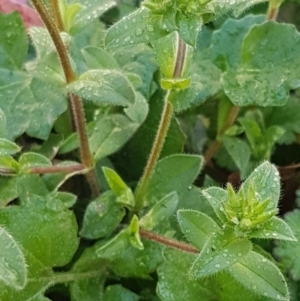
{"x": 169, "y": 242}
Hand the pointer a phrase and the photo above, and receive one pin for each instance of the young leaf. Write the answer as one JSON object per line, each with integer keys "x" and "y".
{"x": 276, "y": 228}
{"x": 216, "y": 196}
{"x": 13, "y": 271}
{"x": 118, "y": 187}
{"x": 160, "y": 212}
{"x": 265, "y": 179}
{"x": 221, "y": 251}
{"x": 261, "y": 276}
{"x": 134, "y": 237}
{"x": 101, "y": 217}
{"x": 103, "y": 87}
{"x": 196, "y": 226}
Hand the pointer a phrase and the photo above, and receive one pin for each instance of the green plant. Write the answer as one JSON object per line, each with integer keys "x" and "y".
{"x": 98, "y": 189}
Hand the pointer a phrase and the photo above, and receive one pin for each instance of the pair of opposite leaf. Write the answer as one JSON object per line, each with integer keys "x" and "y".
{"x": 225, "y": 243}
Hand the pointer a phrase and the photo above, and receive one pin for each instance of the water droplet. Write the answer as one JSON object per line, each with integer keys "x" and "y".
{"x": 150, "y": 28}
{"x": 138, "y": 32}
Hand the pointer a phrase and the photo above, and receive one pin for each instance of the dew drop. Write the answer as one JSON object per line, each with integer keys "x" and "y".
{"x": 138, "y": 32}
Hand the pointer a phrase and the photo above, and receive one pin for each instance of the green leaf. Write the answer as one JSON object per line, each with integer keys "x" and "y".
{"x": 98, "y": 58}
{"x": 118, "y": 187}
{"x": 276, "y": 228}
{"x": 128, "y": 261}
{"x": 13, "y": 271}
{"x": 68, "y": 199}
{"x": 288, "y": 252}
{"x": 221, "y": 251}
{"x": 13, "y": 41}
{"x": 173, "y": 173}
{"x": 227, "y": 41}
{"x": 92, "y": 273}
{"x": 160, "y": 212}
{"x": 42, "y": 41}
{"x": 8, "y": 148}
{"x": 138, "y": 111}
{"x": 238, "y": 150}
{"x": 110, "y": 133}
{"x": 37, "y": 117}
{"x": 256, "y": 72}
{"x": 134, "y": 237}
{"x": 265, "y": 179}
{"x": 31, "y": 160}
{"x": 103, "y": 87}
{"x": 138, "y": 27}
{"x": 8, "y": 165}
{"x": 118, "y": 293}
{"x": 25, "y": 99}
{"x": 215, "y": 197}
{"x": 170, "y": 288}
{"x": 48, "y": 236}
{"x": 92, "y": 9}
{"x": 196, "y": 226}
{"x": 101, "y": 217}
{"x": 260, "y": 276}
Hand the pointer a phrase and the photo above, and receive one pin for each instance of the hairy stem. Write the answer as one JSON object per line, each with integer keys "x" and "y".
{"x": 57, "y": 15}
{"x": 70, "y": 277}
{"x": 273, "y": 9}
{"x": 214, "y": 147}
{"x": 172, "y": 243}
{"x": 156, "y": 150}
{"x": 162, "y": 129}
{"x": 57, "y": 169}
{"x": 74, "y": 101}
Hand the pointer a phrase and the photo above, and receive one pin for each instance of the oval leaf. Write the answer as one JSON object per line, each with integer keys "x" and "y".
{"x": 265, "y": 179}
{"x": 260, "y": 276}
{"x": 221, "y": 251}
{"x": 8, "y": 148}
{"x": 196, "y": 226}
{"x": 13, "y": 269}
{"x": 104, "y": 87}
